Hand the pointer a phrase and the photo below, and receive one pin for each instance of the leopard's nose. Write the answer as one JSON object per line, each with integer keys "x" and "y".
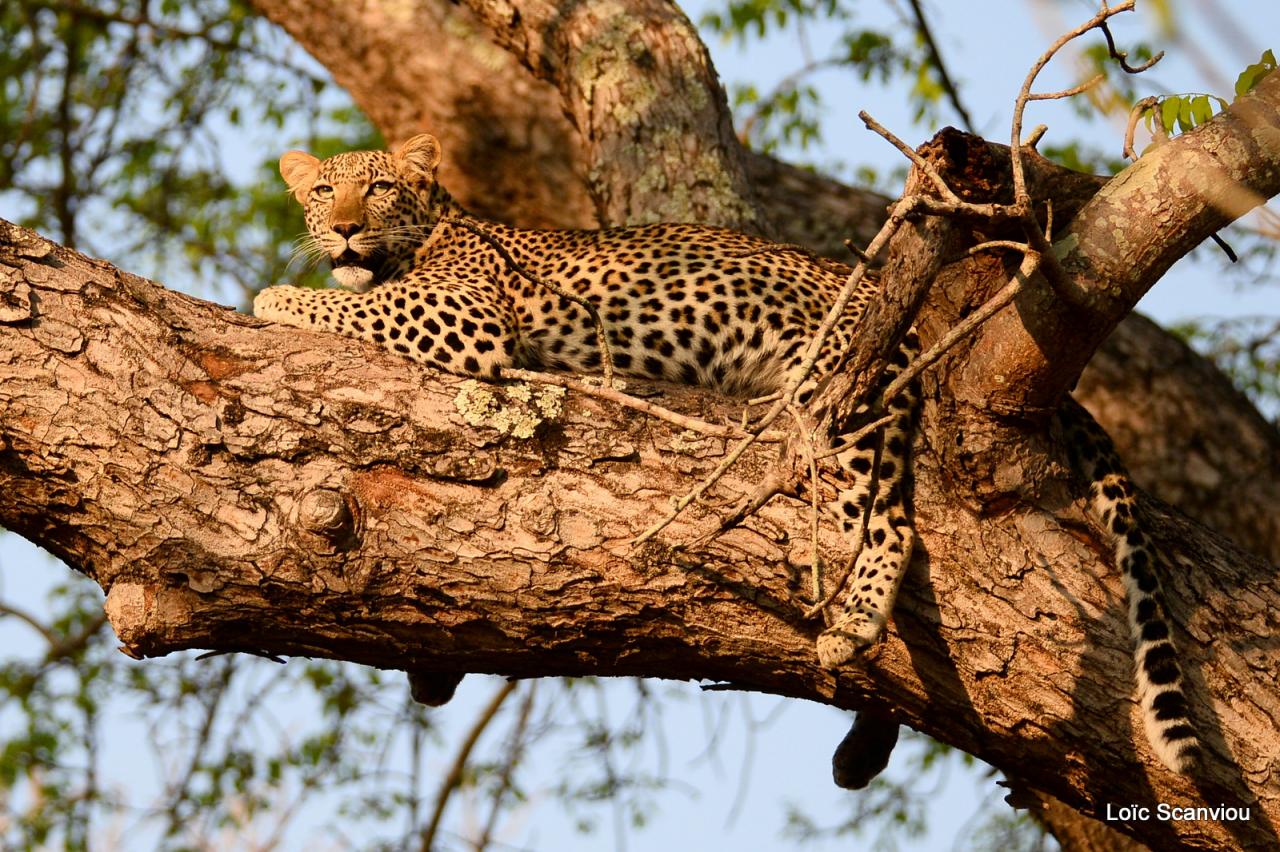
{"x": 348, "y": 229}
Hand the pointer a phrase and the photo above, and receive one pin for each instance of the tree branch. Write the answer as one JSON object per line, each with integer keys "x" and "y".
{"x": 656, "y": 133}
{"x": 1125, "y": 239}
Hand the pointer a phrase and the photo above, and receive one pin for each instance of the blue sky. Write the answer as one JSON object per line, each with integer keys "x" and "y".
{"x": 765, "y": 751}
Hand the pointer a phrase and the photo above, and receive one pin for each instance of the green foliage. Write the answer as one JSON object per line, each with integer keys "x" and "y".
{"x": 1245, "y": 348}
{"x": 1187, "y": 111}
{"x": 1184, "y": 112}
{"x": 790, "y": 114}
{"x": 113, "y": 117}
{"x": 1119, "y": 88}
{"x": 743, "y": 20}
{"x": 1253, "y": 74}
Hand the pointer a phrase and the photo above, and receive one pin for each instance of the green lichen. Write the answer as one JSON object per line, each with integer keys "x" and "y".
{"x": 515, "y": 410}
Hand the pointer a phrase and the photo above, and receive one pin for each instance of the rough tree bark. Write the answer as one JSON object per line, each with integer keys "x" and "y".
{"x": 324, "y": 498}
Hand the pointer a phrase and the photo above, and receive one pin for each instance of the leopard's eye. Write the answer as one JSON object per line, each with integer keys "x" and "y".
{"x": 380, "y": 187}
{"x": 322, "y": 190}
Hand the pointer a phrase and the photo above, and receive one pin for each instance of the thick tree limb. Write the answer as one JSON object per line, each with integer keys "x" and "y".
{"x": 510, "y": 152}
{"x": 168, "y": 448}
{"x": 637, "y": 83}
{"x": 654, "y": 140}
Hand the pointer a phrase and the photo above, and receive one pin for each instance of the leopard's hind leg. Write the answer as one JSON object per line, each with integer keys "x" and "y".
{"x": 875, "y": 512}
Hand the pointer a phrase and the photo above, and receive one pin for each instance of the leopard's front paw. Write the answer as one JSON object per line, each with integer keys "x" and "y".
{"x": 276, "y": 303}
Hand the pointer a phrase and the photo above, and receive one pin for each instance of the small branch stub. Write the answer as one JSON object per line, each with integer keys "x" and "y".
{"x": 324, "y": 512}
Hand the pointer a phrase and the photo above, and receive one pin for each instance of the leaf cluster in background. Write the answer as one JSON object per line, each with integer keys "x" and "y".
{"x": 790, "y": 114}
{"x": 114, "y": 117}
{"x": 1245, "y": 348}
{"x": 1187, "y": 111}
{"x": 1253, "y": 74}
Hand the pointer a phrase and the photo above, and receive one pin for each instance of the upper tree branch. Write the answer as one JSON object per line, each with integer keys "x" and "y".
{"x": 648, "y": 131}
{"x": 1121, "y": 243}
{"x": 638, "y": 84}
{"x": 176, "y": 452}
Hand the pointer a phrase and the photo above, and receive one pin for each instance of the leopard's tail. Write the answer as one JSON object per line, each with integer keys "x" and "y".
{"x": 1113, "y": 502}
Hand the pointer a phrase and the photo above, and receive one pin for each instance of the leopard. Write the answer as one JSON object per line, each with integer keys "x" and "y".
{"x": 680, "y": 302}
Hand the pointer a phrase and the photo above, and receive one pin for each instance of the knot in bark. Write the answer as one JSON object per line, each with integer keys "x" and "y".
{"x": 324, "y": 512}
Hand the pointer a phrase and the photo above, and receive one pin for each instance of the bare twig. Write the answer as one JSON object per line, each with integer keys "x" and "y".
{"x": 711, "y": 479}
{"x": 1135, "y": 114}
{"x": 1024, "y": 94}
{"x": 953, "y": 95}
{"x": 989, "y": 245}
{"x": 910, "y": 153}
{"x": 1030, "y": 262}
{"x": 864, "y": 517}
{"x": 1122, "y": 58}
{"x": 854, "y": 437}
{"x": 761, "y": 400}
{"x": 810, "y": 456}
{"x": 774, "y": 483}
{"x": 1010, "y": 291}
{"x": 513, "y": 753}
{"x": 614, "y": 395}
{"x": 856, "y": 252}
{"x": 453, "y": 779}
{"x": 950, "y": 204}
{"x": 212, "y": 699}
{"x": 1068, "y": 93}
{"x": 821, "y": 605}
{"x": 31, "y": 621}
{"x": 1051, "y": 267}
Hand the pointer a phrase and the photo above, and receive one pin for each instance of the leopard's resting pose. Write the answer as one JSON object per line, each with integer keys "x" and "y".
{"x": 679, "y": 302}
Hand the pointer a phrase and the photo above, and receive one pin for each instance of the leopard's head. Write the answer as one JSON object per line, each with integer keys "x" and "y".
{"x": 367, "y": 210}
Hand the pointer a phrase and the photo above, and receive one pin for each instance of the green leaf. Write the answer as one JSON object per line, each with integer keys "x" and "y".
{"x": 1185, "y": 119}
{"x": 1250, "y": 76}
{"x": 1201, "y": 109}
{"x": 1169, "y": 109}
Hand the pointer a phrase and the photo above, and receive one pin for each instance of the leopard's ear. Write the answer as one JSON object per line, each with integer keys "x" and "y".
{"x": 419, "y": 156}
{"x": 299, "y": 170}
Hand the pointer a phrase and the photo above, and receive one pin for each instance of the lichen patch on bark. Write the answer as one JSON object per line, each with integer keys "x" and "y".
{"x": 517, "y": 410}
